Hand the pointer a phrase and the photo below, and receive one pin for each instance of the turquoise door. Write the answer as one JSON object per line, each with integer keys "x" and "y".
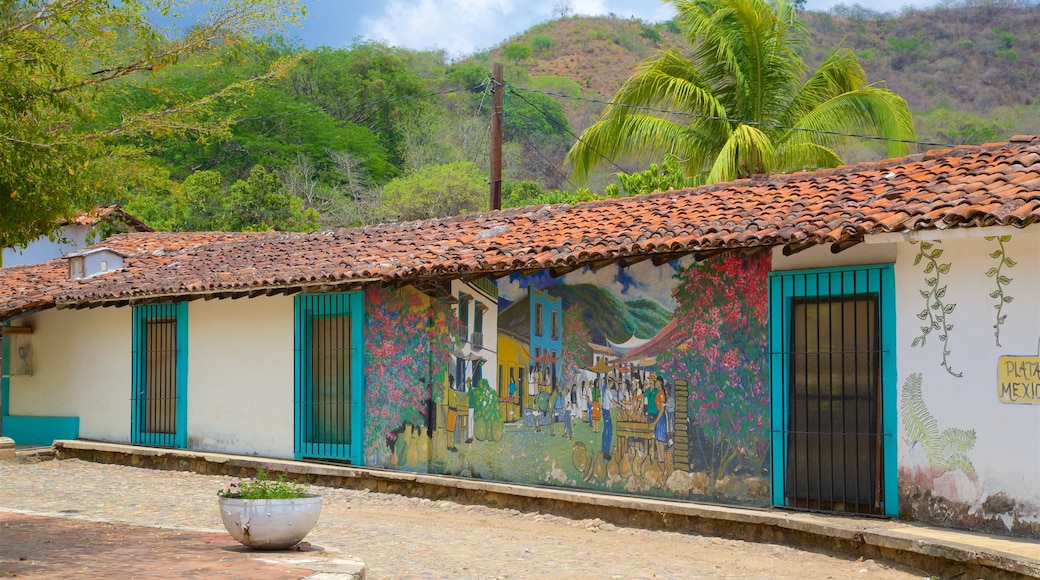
{"x": 329, "y": 378}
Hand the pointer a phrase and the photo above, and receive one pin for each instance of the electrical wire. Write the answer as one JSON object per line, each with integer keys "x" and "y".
{"x": 546, "y": 159}
{"x": 732, "y": 120}
{"x": 359, "y": 104}
{"x": 565, "y": 128}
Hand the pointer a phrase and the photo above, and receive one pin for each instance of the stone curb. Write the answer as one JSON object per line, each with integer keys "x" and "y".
{"x": 864, "y": 537}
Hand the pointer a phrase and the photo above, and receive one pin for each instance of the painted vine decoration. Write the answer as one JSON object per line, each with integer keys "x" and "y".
{"x": 997, "y": 273}
{"x": 935, "y": 310}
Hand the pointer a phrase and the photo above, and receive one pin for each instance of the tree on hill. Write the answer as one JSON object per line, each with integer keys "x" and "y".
{"x": 517, "y": 51}
{"x": 740, "y": 104}
{"x": 60, "y": 58}
{"x": 436, "y": 191}
{"x": 203, "y": 202}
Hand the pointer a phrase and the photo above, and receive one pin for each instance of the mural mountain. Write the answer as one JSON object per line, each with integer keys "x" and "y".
{"x": 610, "y": 318}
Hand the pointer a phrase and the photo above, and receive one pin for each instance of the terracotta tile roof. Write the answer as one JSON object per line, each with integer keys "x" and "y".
{"x": 996, "y": 184}
{"x": 109, "y": 212}
{"x": 36, "y": 286}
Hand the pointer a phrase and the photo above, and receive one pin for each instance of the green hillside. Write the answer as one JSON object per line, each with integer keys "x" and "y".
{"x": 373, "y": 133}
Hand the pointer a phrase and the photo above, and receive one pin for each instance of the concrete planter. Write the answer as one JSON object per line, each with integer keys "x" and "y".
{"x": 270, "y": 524}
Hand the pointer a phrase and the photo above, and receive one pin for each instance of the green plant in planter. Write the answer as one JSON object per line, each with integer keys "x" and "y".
{"x": 263, "y": 486}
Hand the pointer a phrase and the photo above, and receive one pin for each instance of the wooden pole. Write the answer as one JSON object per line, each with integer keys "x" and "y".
{"x": 497, "y": 89}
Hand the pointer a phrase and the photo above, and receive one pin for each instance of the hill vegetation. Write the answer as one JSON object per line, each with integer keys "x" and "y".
{"x": 374, "y": 133}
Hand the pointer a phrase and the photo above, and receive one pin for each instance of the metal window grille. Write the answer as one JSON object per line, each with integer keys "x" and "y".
{"x": 156, "y": 398}
{"x": 833, "y": 399}
{"x": 325, "y": 375}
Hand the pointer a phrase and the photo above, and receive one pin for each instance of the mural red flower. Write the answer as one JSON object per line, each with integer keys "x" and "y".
{"x": 723, "y": 307}
{"x": 407, "y": 340}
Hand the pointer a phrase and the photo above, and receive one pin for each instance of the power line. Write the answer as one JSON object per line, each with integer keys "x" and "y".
{"x": 546, "y": 160}
{"x": 360, "y": 104}
{"x": 535, "y": 147}
{"x": 565, "y": 128}
{"x": 487, "y": 84}
{"x": 731, "y": 120}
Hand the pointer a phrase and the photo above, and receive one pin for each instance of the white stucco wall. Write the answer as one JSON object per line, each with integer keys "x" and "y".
{"x": 1006, "y": 455}
{"x": 71, "y": 238}
{"x": 81, "y": 367}
{"x": 865, "y": 254}
{"x": 240, "y": 373}
{"x": 240, "y": 376}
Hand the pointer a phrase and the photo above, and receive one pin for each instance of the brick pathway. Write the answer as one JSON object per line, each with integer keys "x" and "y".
{"x": 53, "y": 547}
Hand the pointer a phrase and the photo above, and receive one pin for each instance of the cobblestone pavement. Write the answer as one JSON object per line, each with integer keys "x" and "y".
{"x": 402, "y": 537}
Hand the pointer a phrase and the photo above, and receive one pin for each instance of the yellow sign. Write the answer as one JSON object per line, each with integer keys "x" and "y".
{"x": 1018, "y": 379}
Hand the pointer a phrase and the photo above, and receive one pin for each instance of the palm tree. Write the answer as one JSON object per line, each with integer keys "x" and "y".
{"x": 741, "y": 104}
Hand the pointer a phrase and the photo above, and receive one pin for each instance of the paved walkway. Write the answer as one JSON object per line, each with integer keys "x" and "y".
{"x": 62, "y": 547}
{"x": 131, "y": 522}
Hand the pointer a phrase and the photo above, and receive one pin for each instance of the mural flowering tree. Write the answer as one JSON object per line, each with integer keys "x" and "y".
{"x": 576, "y": 339}
{"x": 723, "y": 314}
{"x": 407, "y": 342}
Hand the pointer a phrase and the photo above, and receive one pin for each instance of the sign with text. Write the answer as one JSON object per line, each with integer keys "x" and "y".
{"x": 1018, "y": 379}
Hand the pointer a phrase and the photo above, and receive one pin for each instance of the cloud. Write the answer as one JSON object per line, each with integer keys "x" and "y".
{"x": 642, "y": 280}
{"x": 511, "y": 288}
{"x": 462, "y": 27}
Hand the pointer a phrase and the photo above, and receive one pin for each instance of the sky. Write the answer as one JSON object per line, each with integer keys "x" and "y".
{"x": 463, "y": 27}
{"x": 638, "y": 281}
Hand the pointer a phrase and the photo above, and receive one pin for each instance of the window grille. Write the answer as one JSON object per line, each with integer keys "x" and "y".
{"x": 159, "y": 375}
{"x": 828, "y": 412}
{"x": 328, "y": 376}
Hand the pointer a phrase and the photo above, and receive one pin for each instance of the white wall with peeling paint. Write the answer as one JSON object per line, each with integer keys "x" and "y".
{"x": 960, "y": 389}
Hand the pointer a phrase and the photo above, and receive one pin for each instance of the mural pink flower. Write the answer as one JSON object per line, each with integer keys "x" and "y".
{"x": 399, "y": 324}
{"x": 723, "y": 303}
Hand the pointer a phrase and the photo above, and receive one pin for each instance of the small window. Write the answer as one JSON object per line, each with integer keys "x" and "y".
{"x": 539, "y": 329}
{"x": 478, "y": 316}
{"x": 464, "y": 301}
{"x": 555, "y": 327}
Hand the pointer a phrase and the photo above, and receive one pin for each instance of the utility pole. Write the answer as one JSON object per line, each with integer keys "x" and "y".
{"x": 497, "y": 88}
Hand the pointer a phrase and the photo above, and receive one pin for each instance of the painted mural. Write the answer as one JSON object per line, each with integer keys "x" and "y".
{"x": 936, "y": 307}
{"x": 645, "y": 379}
{"x": 407, "y": 342}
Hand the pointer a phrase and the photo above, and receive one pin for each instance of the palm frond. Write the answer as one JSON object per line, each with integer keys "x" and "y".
{"x": 642, "y": 137}
{"x": 840, "y": 72}
{"x": 803, "y": 156}
{"x": 747, "y": 151}
{"x": 866, "y": 111}
{"x": 671, "y": 82}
